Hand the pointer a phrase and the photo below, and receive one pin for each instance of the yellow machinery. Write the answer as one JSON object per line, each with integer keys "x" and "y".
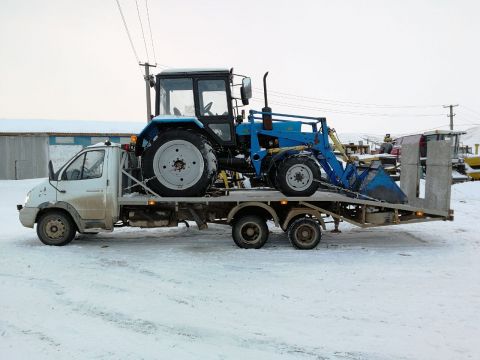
{"x": 473, "y": 169}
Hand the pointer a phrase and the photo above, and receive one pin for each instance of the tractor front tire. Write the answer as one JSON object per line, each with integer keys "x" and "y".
{"x": 298, "y": 176}
{"x": 180, "y": 162}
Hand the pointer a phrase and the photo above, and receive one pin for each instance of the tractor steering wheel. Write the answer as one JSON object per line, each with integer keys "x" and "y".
{"x": 206, "y": 109}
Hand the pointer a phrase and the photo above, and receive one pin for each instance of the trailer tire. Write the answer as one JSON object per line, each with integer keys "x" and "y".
{"x": 179, "y": 163}
{"x": 297, "y": 175}
{"x": 304, "y": 233}
{"x": 56, "y": 228}
{"x": 250, "y": 232}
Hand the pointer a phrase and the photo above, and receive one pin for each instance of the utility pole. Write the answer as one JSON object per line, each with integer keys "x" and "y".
{"x": 451, "y": 115}
{"x": 149, "y": 82}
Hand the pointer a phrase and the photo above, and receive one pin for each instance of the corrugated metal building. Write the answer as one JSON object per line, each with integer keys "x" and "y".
{"x": 25, "y": 155}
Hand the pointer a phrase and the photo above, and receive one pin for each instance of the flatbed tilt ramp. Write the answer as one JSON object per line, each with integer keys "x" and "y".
{"x": 233, "y": 205}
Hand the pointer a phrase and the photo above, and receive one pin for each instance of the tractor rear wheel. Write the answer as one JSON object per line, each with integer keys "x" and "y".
{"x": 297, "y": 176}
{"x": 179, "y": 163}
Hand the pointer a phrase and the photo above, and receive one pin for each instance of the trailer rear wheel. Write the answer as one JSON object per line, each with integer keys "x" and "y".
{"x": 180, "y": 163}
{"x": 250, "y": 232}
{"x": 304, "y": 233}
{"x": 296, "y": 176}
{"x": 55, "y": 228}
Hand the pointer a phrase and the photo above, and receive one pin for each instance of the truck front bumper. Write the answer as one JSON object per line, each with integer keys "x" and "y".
{"x": 27, "y": 216}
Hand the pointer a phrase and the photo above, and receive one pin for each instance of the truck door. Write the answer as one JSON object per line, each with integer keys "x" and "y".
{"x": 84, "y": 181}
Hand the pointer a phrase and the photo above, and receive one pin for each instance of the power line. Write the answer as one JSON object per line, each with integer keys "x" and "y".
{"x": 473, "y": 113}
{"x": 150, "y": 29}
{"x": 143, "y": 33}
{"x": 343, "y": 103}
{"x": 127, "y": 31}
{"x": 349, "y": 112}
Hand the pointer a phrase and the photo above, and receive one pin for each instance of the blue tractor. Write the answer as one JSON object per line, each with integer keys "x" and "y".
{"x": 199, "y": 128}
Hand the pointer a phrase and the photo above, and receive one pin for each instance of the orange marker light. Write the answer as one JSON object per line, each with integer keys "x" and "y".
{"x": 283, "y": 202}
{"x": 133, "y": 138}
{"x": 419, "y": 213}
{"x": 151, "y": 202}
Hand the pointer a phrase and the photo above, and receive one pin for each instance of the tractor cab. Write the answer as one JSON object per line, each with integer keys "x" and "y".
{"x": 201, "y": 94}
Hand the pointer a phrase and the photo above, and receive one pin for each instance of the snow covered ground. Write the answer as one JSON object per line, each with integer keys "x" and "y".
{"x": 410, "y": 292}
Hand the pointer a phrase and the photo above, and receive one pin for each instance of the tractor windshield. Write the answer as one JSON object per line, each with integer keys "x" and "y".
{"x": 213, "y": 97}
{"x": 176, "y": 97}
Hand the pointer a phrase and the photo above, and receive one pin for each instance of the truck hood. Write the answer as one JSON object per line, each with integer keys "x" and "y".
{"x": 41, "y": 193}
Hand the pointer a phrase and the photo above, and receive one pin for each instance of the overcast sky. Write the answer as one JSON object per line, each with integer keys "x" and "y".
{"x": 72, "y": 60}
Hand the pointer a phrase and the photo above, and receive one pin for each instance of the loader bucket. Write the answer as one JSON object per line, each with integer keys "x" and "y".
{"x": 376, "y": 183}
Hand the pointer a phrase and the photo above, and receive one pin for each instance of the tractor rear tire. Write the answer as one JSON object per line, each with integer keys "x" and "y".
{"x": 180, "y": 162}
{"x": 298, "y": 176}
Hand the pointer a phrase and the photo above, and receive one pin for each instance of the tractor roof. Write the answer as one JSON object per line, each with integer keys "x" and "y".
{"x": 195, "y": 71}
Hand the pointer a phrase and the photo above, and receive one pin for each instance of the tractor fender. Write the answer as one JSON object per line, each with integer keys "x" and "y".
{"x": 150, "y": 131}
{"x": 253, "y": 204}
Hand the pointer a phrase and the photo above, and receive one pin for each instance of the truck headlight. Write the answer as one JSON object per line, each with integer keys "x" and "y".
{"x": 27, "y": 198}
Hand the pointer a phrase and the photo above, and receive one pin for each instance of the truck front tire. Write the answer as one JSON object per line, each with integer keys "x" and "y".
{"x": 55, "y": 228}
{"x": 179, "y": 163}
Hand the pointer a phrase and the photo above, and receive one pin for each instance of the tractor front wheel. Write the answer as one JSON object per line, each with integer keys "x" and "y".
{"x": 297, "y": 176}
{"x": 179, "y": 163}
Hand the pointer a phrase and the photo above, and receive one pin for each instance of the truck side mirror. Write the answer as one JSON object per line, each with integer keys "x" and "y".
{"x": 246, "y": 90}
{"x": 51, "y": 172}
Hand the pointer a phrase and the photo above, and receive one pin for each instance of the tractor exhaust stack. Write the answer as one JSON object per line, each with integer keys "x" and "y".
{"x": 266, "y": 118}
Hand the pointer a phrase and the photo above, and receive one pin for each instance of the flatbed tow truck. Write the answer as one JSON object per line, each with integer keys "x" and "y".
{"x": 99, "y": 189}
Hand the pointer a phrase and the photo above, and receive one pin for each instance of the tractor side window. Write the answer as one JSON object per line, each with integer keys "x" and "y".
{"x": 176, "y": 97}
{"x": 213, "y": 97}
{"x": 89, "y": 165}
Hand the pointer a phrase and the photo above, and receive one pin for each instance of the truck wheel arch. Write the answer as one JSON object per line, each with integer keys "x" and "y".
{"x": 65, "y": 207}
{"x": 255, "y": 205}
{"x": 296, "y": 213}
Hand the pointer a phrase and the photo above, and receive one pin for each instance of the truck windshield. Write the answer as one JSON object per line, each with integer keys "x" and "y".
{"x": 176, "y": 97}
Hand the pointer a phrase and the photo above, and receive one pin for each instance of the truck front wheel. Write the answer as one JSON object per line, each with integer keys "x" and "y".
{"x": 55, "y": 228}
{"x": 179, "y": 163}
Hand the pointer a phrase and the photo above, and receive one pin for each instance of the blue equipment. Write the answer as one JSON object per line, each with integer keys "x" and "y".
{"x": 371, "y": 182}
{"x": 198, "y": 130}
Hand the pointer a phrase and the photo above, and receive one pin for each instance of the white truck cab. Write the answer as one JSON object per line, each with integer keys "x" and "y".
{"x": 84, "y": 191}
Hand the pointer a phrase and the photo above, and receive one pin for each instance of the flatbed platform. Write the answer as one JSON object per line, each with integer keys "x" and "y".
{"x": 269, "y": 196}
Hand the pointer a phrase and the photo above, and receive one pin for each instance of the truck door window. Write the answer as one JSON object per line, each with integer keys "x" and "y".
{"x": 88, "y": 165}
{"x": 176, "y": 97}
{"x": 213, "y": 97}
